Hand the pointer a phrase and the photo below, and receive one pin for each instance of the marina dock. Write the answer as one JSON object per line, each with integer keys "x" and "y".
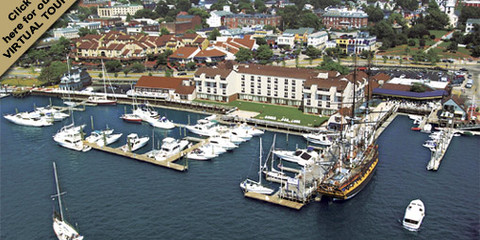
{"x": 275, "y": 199}
{"x": 168, "y": 163}
{"x": 440, "y": 149}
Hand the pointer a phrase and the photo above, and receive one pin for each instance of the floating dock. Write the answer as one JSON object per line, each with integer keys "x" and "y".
{"x": 168, "y": 163}
{"x": 440, "y": 150}
{"x": 275, "y": 199}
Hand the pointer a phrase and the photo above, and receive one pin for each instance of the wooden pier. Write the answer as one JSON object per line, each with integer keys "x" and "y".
{"x": 275, "y": 199}
{"x": 168, "y": 163}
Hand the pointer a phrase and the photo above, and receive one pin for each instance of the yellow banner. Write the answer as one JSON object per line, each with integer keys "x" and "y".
{"x": 22, "y": 23}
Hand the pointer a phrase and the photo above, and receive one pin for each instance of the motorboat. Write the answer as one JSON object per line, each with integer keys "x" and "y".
{"x": 71, "y": 137}
{"x": 318, "y": 138}
{"x": 205, "y": 152}
{"x": 104, "y": 137}
{"x": 51, "y": 113}
{"x": 145, "y": 112}
{"x": 241, "y": 133}
{"x": 414, "y": 215}
{"x": 430, "y": 144}
{"x": 27, "y": 119}
{"x": 427, "y": 128}
{"x": 131, "y": 117}
{"x": 300, "y": 156}
{"x": 249, "y": 185}
{"x": 219, "y": 142}
{"x": 170, "y": 147}
{"x": 203, "y": 127}
{"x": 227, "y": 136}
{"x": 436, "y": 135}
{"x": 250, "y": 130}
{"x": 63, "y": 230}
{"x": 134, "y": 142}
{"x": 162, "y": 122}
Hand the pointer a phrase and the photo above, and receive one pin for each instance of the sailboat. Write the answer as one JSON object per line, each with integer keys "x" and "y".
{"x": 249, "y": 185}
{"x": 102, "y": 99}
{"x": 61, "y": 227}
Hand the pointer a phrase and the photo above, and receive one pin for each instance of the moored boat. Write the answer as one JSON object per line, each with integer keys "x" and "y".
{"x": 414, "y": 215}
{"x": 318, "y": 138}
{"x": 170, "y": 147}
{"x": 71, "y": 137}
{"x": 26, "y": 119}
{"x": 134, "y": 142}
{"x": 131, "y": 117}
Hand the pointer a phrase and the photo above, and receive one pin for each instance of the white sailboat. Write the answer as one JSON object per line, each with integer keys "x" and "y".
{"x": 249, "y": 185}
{"x": 102, "y": 99}
{"x": 61, "y": 227}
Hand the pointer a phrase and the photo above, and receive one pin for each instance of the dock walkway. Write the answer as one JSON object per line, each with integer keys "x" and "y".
{"x": 275, "y": 199}
{"x": 168, "y": 163}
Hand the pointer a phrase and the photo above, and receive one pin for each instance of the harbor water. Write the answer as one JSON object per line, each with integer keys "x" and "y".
{"x": 112, "y": 197}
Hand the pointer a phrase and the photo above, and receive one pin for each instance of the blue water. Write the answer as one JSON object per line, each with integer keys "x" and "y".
{"x": 112, "y": 197}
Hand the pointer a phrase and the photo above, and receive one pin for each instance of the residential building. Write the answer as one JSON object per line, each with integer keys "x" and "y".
{"x": 216, "y": 18}
{"x": 118, "y": 10}
{"x": 182, "y": 24}
{"x": 184, "y": 54}
{"x": 292, "y": 36}
{"x": 317, "y": 39}
{"x": 169, "y": 88}
{"x": 355, "y": 45}
{"x": 456, "y": 106}
{"x": 471, "y": 22}
{"x": 241, "y": 20}
{"x": 344, "y": 19}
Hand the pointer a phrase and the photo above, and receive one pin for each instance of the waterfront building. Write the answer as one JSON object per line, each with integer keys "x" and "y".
{"x": 88, "y": 25}
{"x": 75, "y": 80}
{"x": 169, "y": 88}
{"x": 68, "y": 32}
{"x": 455, "y": 105}
{"x": 344, "y": 19}
{"x": 401, "y": 88}
{"x": 319, "y": 92}
{"x": 118, "y": 10}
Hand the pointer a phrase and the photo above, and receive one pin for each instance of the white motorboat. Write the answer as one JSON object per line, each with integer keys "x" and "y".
{"x": 71, "y": 137}
{"x": 241, "y": 133}
{"x": 436, "y": 135}
{"x": 250, "y": 130}
{"x": 145, "y": 112}
{"x": 162, "y": 122}
{"x": 170, "y": 147}
{"x": 230, "y": 138}
{"x": 51, "y": 113}
{"x": 203, "y": 127}
{"x": 220, "y": 142}
{"x": 131, "y": 117}
{"x": 430, "y": 144}
{"x": 27, "y": 119}
{"x": 134, "y": 142}
{"x": 318, "y": 138}
{"x": 300, "y": 156}
{"x": 249, "y": 185}
{"x": 104, "y": 137}
{"x": 414, "y": 215}
{"x": 205, "y": 152}
{"x": 61, "y": 227}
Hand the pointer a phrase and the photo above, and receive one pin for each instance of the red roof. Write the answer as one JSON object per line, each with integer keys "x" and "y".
{"x": 183, "y": 52}
{"x": 165, "y": 83}
{"x": 210, "y": 53}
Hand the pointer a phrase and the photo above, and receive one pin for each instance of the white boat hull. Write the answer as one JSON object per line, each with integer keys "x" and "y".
{"x": 64, "y": 231}
{"x": 252, "y": 186}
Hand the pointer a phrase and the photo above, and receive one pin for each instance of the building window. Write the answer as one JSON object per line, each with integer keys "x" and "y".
{"x": 259, "y": 79}
{"x": 252, "y": 91}
{"x": 268, "y": 80}
{"x": 243, "y": 90}
{"x": 328, "y": 105}
{"x": 286, "y": 81}
{"x": 252, "y": 78}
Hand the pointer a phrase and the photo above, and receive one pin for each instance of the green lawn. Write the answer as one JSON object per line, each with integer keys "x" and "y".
{"x": 460, "y": 53}
{"x": 292, "y": 113}
{"x": 27, "y": 82}
{"x": 438, "y": 33}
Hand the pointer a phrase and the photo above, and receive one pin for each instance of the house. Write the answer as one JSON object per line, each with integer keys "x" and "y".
{"x": 68, "y": 32}
{"x": 184, "y": 54}
{"x": 455, "y": 105}
{"x": 169, "y": 88}
{"x": 292, "y": 36}
{"x": 351, "y": 45}
{"x": 75, "y": 79}
{"x": 318, "y": 39}
{"x": 182, "y": 23}
{"x": 470, "y": 25}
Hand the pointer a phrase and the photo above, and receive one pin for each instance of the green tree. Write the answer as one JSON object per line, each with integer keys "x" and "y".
{"x": 113, "y": 66}
{"x": 85, "y": 31}
{"x": 418, "y": 31}
{"x": 261, "y": 41}
{"x": 214, "y": 34}
{"x": 53, "y": 72}
{"x": 126, "y": 70}
{"x": 164, "y": 31}
{"x": 330, "y": 65}
{"x": 168, "y": 72}
{"x": 408, "y": 4}
{"x": 264, "y": 53}
{"x": 183, "y": 5}
{"x": 418, "y": 87}
{"x": 468, "y": 12}
{"x": 146, "y": 13}
{"x": 259, "y": 6}
{"x": 453, "y": 46}
{"x": 244, "y": 54}
{"x": 129, "y": 17}
{"x": 59, "y": 49}
{"x": 137, "y": 67}
{"x": 312, "y": 52}
{"x": 435, "y": 19}
{"x": 375, "y": 14}
{"x": 290, "y": 16}
{"x": 162, "y": 8}
{"x": 309, "y": 19}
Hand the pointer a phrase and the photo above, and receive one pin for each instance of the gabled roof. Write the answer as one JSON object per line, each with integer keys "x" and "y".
{"x": 460, "y": 102}
{"x": 212, "y": 72}
{"x": 184, "y": 52}
{"x": 159, "y": 82}
{"x": 381, "y": 77}
{"x": 210, "y": 53}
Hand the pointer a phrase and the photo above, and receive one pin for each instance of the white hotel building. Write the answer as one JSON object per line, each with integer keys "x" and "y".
{"x": 320, "y": 92}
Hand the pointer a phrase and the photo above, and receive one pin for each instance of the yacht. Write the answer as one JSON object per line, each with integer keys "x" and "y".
{"x": 203, "y": 127}
{"x": 104, "y": 137}
{"x": 131, "y": 117}
{"x": 51, "y": 113}
{"x": 414, "y": 215}
{"x": 134, "y": 142}
{"x": 160, "y": 122}
{"x": 230, "y": 138}
{"x": 300, "y": 156}
{"x": 170, "y": 147}
{"x": 27, "y": 119}
{"x": 205, "y": 152}
{"x": 318, "y": 138}
{"x": 250, "y": 130}
{"x": 70, "y": 136}
{"x": 220, "y": 142}
{"x": 249, "y": 185}
{"x": 145, "y": 112}
{"x": 430, "y": 144}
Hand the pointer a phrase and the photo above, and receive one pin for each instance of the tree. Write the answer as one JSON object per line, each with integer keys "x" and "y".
{"x": 137, "y": 67}
{"x": 261, "y": 41}
{"x": 309, "y": 19}
{"x": 468, "y": 12}
{"x": 313, "y": 52}
{"x": 146, "y": 13}
{"x": 421, "y": 42}
{"x": 85, "y": 31}
{"x": 168, "y": 72}
{"x": 204, "y": 15}
{"x": 129, "y": 17}
{"x": 164, "y": 31}
{"x": 60, "y": 49}
{"x": 418, "y": 31}
{"x": 214, "y": 34}
{"x": 191, "y": 66}
{"x": 244, "y": 54}
{"x": 259, "y": 6}
{"x": 408, "y": 4}
{"x": 435, "y": 19}
{"x": 53, "y": 72}
{"x": 290, "y": 16}
{"x": 330, "y": 65}
{"x": 162, "y": 8}
{"x": 264, "y": 53}
{"x": 417, "y": 87}
{"x": 183, "y": 5}
{"x": 453, "y": 46}
{"x": 375, "y": 14}
{"x": 113, "y": 66}
{"x": 126, "y": 71}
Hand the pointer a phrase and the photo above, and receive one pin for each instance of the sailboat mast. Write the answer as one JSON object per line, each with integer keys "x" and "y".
{"x": 103, "y": 74}
{"x": 260, "y": 164}
{"x": 58, "y": 190}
